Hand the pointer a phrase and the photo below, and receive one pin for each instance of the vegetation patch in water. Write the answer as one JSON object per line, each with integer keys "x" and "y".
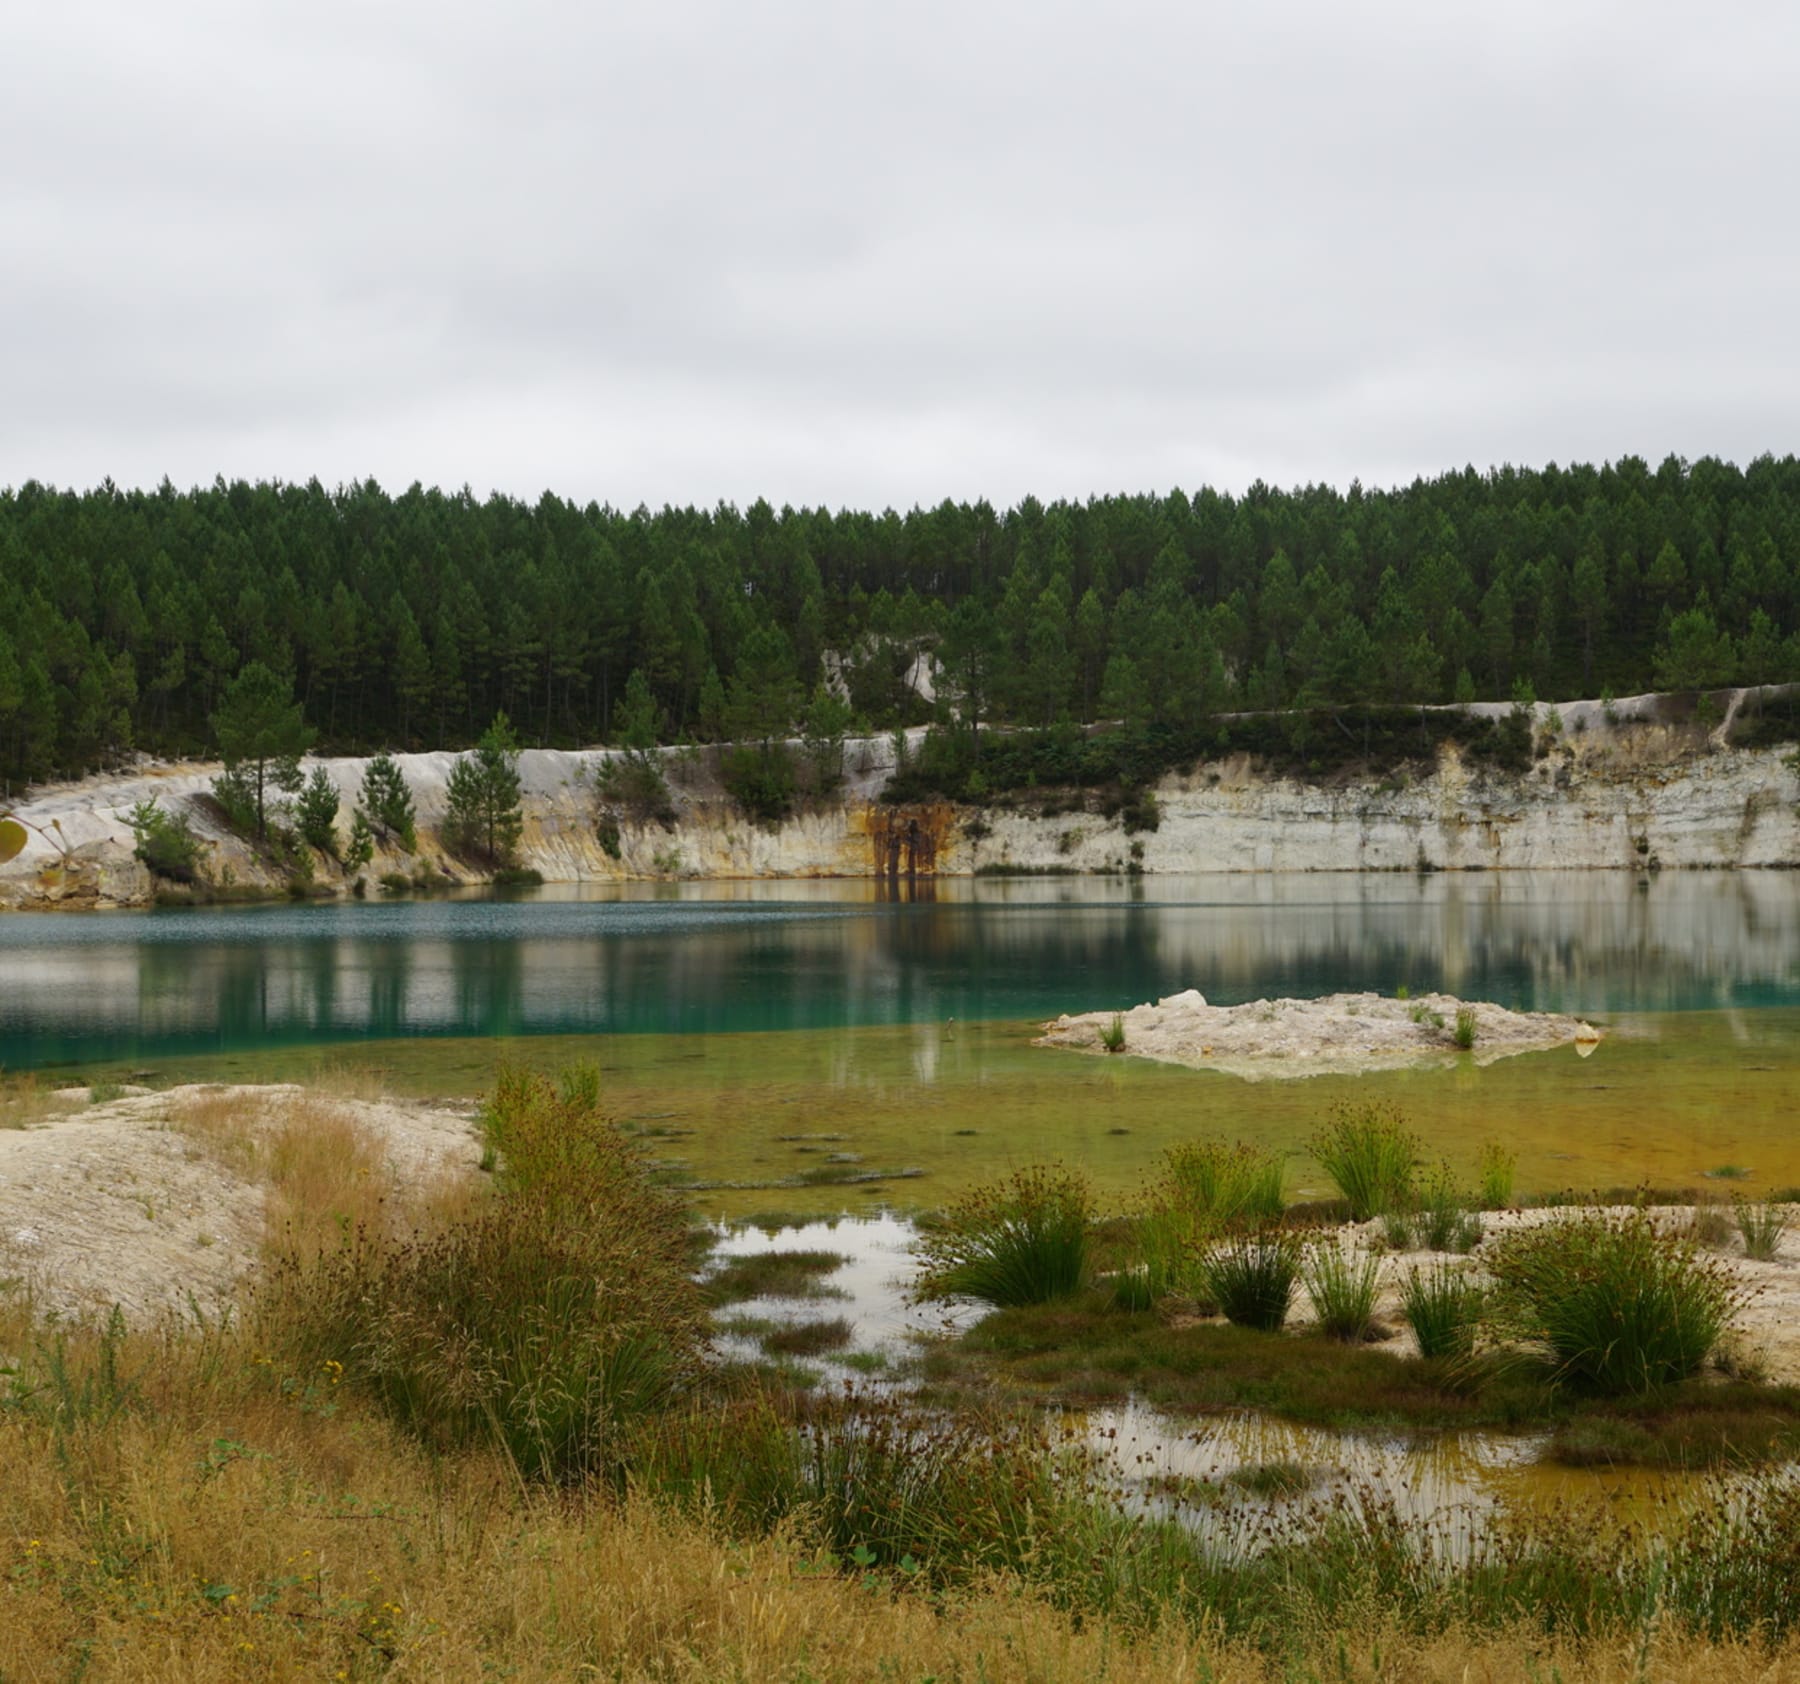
{"x": 774, "y": 1274}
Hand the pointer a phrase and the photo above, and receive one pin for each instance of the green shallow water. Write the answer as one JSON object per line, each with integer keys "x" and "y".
{"x": 1664, "y": 1098}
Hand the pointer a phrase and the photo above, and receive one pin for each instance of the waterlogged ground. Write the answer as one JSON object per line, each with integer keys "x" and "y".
{"x": 1240, "y": 1477}
{"x": 903, "y": 1117}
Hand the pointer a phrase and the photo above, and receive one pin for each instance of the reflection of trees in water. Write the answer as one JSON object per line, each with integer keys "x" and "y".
{"x": 387, "y": 967}
{"x": 487, "y": 987}
{"x": 925, "y": 952}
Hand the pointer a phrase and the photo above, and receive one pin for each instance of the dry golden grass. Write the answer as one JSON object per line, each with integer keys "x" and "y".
{"x": 237, "y": 1523}
{"x": 325, "y": 1173}
{"x": 226, "y": 1125}
{"x": 341, "y": 1080}
{"x": 23, "y": 1101}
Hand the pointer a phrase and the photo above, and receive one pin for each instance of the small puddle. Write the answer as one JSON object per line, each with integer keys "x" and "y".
{"x": 868, "y": 1290}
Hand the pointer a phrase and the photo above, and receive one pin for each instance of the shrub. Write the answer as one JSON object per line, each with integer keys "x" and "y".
{"x": 165, "y": 841}
{"x": 545, "y": 1323}
{"x": 361, "y": 849}
{"x": 1370, "y": 1153}
{"x": 1023, "y": 1240}
{"x": 1251, "y": 1278}
{"x": 1342, "y": 1290}
{"x": 760, "y": 777}
{"x": 1497, "y": 1167}
{"x": 1219, "y": 1185}
{"x": 1762, "y": 1227}
{"x": 1465, "y": 1027}
{"x": 1442, "y": 1222}
{"x": 1621, "y": 1306}
{"x": 1443, "y": 1307}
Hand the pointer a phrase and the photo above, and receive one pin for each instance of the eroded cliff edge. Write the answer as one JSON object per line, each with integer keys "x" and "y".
{"x": 1597, "y": 795}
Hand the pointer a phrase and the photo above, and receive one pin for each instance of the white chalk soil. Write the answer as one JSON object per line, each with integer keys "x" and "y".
{"x": 116, "y": 1204}
{"x": 1339, "y": 1034}
{"x": 1764, "y": 1335}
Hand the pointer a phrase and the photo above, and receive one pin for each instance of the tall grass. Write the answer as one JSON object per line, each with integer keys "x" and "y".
{"x": 559, "y": 1310}
{"x": 22, "y": 1100}
{"x": 1621, "y": 1306}
{"x": 1443, "y": 1221}
{"x": 1342, "y": 1289}
{"x": 1251, "y": 1278}
{"x": 1498, "y": 1167}
{"x": 1220, "y": 1185}
{"x": 1021, "y": 1240}
{"x": 1464, "y": 1033}
{"x": 1369, "y": 1151}
{"x": 1442, "y": 1305}
{"x": 1761, "y": 1227}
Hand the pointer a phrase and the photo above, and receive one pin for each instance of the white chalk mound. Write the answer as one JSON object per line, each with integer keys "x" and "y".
{"x": 1340, "y": 1034}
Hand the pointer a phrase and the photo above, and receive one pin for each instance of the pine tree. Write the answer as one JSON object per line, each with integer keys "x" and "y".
{"x": 482, "y": 813}
{"x": 316, "y": 811}
{"x": 388, "y": 800}
{"x": 261, "y": 736}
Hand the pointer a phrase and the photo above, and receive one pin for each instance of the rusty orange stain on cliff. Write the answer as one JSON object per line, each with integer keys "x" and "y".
{"x": 904, "y": 841}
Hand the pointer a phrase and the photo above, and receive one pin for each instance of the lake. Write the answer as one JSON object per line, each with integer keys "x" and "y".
{"x": 771, "y": 956}
{"x": 815, "y": 1046}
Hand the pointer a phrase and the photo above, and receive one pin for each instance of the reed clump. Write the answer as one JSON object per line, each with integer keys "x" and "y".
{"x": 1342, "y": 1287}
{"x": 1020, "y": 1240}
{"x": 1251, "y": 1278}
{"x": 1620, "y": 1305}
{"x": 1761, "y": 1227}
{"x": 1222, "y": 1186}
{"x": 1443, "y": 1306}
{"x": 1497, "y": 1172}
{"x": 1371, "y": 1153}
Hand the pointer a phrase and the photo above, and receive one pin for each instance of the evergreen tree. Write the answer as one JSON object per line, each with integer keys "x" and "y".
{"x": 387, "y": 800}
{"x": 261, "y": 736}
{"x": 482, "y": 812}
{"x": 316, "y": 811}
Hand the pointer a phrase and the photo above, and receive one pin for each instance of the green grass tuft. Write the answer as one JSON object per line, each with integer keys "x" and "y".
{"x": 1251, "y": 1278}
{"x": 1342, "y": 1290}
{"x": 1443, "y": 1307}
{"x": 773, "y": 1274}
{"x": 1023, "y": 1240}
{"x": 1761, "y": 1227}
{"x": 1621, "y": 1306}
{"x": 1371, "y": 1154}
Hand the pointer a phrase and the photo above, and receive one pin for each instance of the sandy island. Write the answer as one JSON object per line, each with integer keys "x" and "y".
{"x": 1337, "y": 1035}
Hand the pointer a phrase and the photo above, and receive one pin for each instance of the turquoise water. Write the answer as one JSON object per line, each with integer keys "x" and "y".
{"x": 794, "y": 955}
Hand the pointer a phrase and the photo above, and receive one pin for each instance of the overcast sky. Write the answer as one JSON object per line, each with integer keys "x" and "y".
{"x": 828, "y": 252}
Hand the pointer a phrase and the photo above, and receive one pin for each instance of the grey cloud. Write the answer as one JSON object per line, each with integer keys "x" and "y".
{"x": 832, "y": 253}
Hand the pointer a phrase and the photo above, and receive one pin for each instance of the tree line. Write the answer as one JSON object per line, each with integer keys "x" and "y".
{"x": 412, "y": 620}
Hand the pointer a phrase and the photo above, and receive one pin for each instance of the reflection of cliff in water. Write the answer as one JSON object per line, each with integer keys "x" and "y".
{"x": 725, "y": 957}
